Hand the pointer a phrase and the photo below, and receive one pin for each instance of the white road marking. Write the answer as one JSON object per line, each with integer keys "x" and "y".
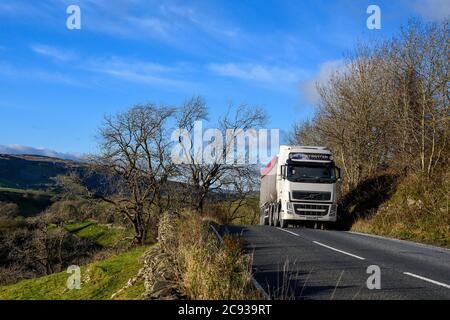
{"x": 423, "y": 245}
{"x": 427, "y": 279}
{"x": 331, "y": 248}
{"x": 324, "y": 245}
{"x": 293, "y": 233}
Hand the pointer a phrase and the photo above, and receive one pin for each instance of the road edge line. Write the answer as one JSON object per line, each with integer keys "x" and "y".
{"x": 422, "y": 245}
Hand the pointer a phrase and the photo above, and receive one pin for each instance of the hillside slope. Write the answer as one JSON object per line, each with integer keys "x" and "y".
{"x": 416, "y": 209}
{"x": 29, "y": 202}
{"x": 33, "y": 172}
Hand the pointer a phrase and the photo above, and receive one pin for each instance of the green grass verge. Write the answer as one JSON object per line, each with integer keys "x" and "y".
{"x": 99, "y": 280}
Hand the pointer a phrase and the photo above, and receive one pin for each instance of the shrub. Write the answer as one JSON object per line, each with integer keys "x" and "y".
{"x": 210, "y": 270}
{"x": 9, "y": 209}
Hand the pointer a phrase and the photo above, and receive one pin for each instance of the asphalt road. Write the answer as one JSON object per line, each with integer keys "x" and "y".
{"x": 305, "y": 263}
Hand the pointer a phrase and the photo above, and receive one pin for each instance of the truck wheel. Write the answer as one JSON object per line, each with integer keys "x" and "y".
{"x": 261, "y": 219}
{"x": 278, "y": 219}
{"x": 283, "y": 224}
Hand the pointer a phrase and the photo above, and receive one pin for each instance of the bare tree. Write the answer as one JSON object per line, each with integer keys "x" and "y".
{"x": 389, "y": 106}
{"x": 135, "y": 155}
{"x": 304, "y": 133}
{"x": 205, "y": 178}
{"x": 242, "y": 185}
{"x": 40, "y": 250}
{"x": 418, "y": 74}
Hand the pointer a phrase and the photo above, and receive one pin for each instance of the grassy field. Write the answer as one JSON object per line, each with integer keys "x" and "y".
{"x": 30, "y": 202}
{"x": 27, "y": 191}
{"x": 103, "y": 235}
{"x": 99, "y": 280}
{"x": 224, "y": 211}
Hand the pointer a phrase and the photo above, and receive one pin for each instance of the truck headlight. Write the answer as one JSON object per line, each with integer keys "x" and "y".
{"x": 289, "y": 207}
{"x": 333, "y": 210}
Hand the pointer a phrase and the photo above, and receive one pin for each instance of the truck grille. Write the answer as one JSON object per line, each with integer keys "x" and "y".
{"x": 311, "y": 209}
{"x": 311, "y": 195}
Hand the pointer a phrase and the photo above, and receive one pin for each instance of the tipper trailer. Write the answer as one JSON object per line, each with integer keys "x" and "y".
{"x": 299, "y": 185}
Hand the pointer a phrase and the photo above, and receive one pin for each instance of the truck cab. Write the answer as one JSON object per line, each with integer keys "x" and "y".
{"x": 299, "y": 185}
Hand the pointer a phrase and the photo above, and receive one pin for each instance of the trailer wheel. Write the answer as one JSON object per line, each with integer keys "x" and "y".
{"x": 262, "y": 219}
{"x": 278, "y": 218}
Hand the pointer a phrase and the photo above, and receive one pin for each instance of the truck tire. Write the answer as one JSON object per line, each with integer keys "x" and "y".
{"x": 262, "y": 218}
{"x": 278, "y": 214}
{"x": 283, "y": 224}
{"x": 270, "y": 217}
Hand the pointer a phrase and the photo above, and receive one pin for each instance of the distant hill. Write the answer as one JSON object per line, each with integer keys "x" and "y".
{"x": 32, "y": 171}
{"x": 18, "y": 149}
{"x": 36, "y": 172}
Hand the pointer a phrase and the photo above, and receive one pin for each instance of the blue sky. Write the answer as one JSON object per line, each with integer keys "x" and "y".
{"x": 57, "y": 84}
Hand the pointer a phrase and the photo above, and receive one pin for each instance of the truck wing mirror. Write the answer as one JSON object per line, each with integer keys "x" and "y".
{"x": 338, "y": 174}
{"x": 283, "y": 172}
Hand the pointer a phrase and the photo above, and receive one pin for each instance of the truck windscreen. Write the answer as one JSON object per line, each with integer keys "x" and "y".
{"x": 311, "y": 172}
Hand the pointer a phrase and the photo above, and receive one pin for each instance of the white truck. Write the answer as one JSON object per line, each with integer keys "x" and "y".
{"x": 299, "y": 185}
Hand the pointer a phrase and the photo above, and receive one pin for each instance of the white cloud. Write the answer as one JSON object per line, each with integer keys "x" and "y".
{"x": 308, "y": 88}
{"x": 433, "y": 10}
{"x": 123, "y": 68}
{"x": 199, "y": 28}
{"x": 256, "y": 72}
{"x": 135, "y": 27}
{"x": 15, "y": 72}
{"x": 53, "y": 52}
{"x": 141, "y": 72}
{"x": 173, "y": 24}
{"x": 201, "y": 21}
{"x": 21, "y": 149}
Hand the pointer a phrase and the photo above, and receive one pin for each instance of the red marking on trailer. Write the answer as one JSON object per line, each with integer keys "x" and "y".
{"x": 269, "y": 166}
